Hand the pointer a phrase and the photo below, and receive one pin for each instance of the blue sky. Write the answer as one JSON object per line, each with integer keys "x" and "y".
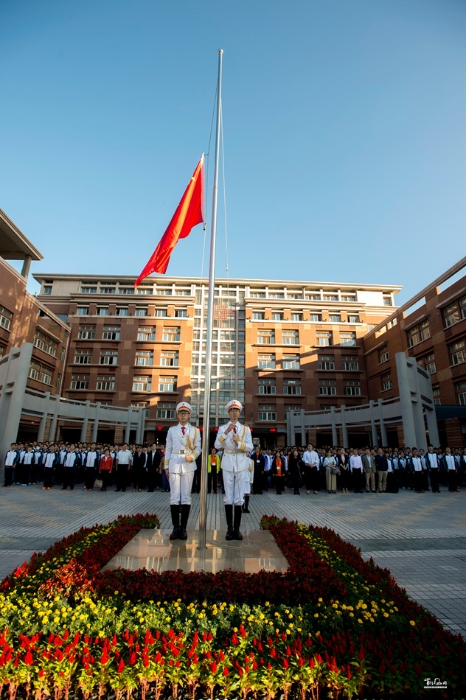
{"x": 345, "y": 146}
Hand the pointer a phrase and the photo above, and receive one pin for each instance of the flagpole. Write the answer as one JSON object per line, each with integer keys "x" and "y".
{"x": 210, "y": 316}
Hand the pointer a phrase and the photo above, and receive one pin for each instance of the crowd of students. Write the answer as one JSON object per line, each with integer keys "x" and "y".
{"x": 310, "y": 470}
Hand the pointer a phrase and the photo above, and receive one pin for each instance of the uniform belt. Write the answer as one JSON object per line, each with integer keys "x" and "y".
{"x": 180, "y": 452}
{"x": 230, "y": 452}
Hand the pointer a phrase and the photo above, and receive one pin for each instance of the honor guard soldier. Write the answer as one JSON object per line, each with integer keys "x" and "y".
{"x": 236, "y": 442}
{"x": 182, "y": 448}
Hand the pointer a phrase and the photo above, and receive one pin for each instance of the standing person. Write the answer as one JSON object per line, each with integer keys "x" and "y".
{"x": 343, "y": 463}
{"x": 381, "y": 464}
{"x": 213, "y": 467}
{"x": 123, "y": 462}
{"x": 105, "y": 468}
{"x": 139, "y": 468}
{"x": 92, "y": 462}
{"x": 236, "y": 442}
{"x": 68, "y": 471}
{"x": 154, "y": 457}
{"x": 50, "y": 464}
{"x": 416, "y": 466}
{"x": 27, "y": 460}
{"x": 450, "y": 464}
{"x": 183, "y": 447}
{"x": 11, "y": 458}
{"x": 311, "y": 475}
{"x": 248, "y": 480}
{"x": 368, "y": 463}
{"x": 356, "y": 470}
{"x": 295, "y": 466}
{"x": 259, "y": 469}
{"x": 330, "y": 466}
{"x": 278, "y": 473}
{"x": 432, "y": 464}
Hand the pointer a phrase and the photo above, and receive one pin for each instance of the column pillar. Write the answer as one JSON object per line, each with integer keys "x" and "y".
{"x": 383, "y": 430}
{"x": 26, "y": 266}
{"x": 433, "y": 427}
{"x": 334, "y": 426}
{"x": 14, "y": 386}
{"x": 303, "y": 428}
{"x": 407, "y": 416}
{"x": 140, "y": 428}
{"x": 95, "y": 426}
{"x": 128, "y": 425}
{"x": 85, "y": 422}
{"x": 43, "y": 420}
{"x": 53, "y": 424}
{"x": 344, "y": 431}
{"x": 375, "y": 440}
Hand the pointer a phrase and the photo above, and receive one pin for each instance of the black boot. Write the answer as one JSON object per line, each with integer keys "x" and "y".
{"x": 246, "y": 503}
{"x": 229, "y": 517}
{"x": 175, "y": 511}
{"x": 237, "y": 534}
{"x": 183, "y": 535}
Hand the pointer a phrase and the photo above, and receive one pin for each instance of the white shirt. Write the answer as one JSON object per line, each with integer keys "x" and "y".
{"x": 28, "y": 457}
{"x": 70, "y": 459}
{"x": 311, "y": 458}
{"x": 10, "y": 458}
{"x": 417, "y": 464}
{"x": 123, "y": 457}
{"x": 355, "y": 462}
{"x": 50, "y": 459}
{"x": 91, "y": 459}
{"x": 180, "y": 446}
{"x": 450, "y": 462}
{"x": 432, "y": 460}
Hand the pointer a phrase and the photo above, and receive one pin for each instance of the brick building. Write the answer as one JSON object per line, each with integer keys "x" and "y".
{"x": 432, "y": 328}
{"x": 277, "y": 345}
{"x": 24, "y": 319}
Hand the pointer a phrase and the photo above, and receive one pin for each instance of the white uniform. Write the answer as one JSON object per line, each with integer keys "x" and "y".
{"x": 178, "y": 447}
{"x": 235, "y": 461}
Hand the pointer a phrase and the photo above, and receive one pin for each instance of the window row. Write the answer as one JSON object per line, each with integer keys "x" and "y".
{"x": 315, "y": 317}
{"x": 5, "y": 318}
{"x": 107, "y": 383}
{"x": 124, "y": 311}
{"x": 143, "y": 358}
{"x": 145, "y": 334}
{"x": 454, "y": 312}
{"x": 269, "y": 386}
{"x": 40, "y": 373}
{"x": 348, "y": 362}
{"x": 44, "y": 343}
{"x": 329, "y": 388}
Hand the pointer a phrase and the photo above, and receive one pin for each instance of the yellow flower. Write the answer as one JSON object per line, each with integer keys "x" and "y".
{"x": 360, "y": 621}
{"x": 316, "y": 614}
{"x": 412, "y": 623}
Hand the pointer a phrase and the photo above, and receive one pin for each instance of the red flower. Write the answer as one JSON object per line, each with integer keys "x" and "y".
{"x": 28, "y": 659}
{"x": 121, "y": 666}
{"x": 226, "y": 672}
{"x": 213, "y": 667}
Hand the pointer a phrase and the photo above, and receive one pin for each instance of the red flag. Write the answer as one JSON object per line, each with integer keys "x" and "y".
{"x": 189, "y": 213}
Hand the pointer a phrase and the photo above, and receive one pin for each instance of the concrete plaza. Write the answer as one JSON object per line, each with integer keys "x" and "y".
{"x": 421, "y": 538}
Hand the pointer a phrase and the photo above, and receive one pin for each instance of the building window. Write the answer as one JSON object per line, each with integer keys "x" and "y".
{"x": 290, "y": 362}
{"x": 266, "y": 361}
{"x": 292, "y": 386}
{"x": 350, "y": 362}
{"x": 141, "y": 311}
{"x": 348, "y": 297}
{"x": 290, "y": 337}
{"x": 258, "y": 315}
{"x": 171, "y": 334}
{"x": 79, "y": 381}
{"x": 44, "y": 343}
{"x": 108, "y": 357}
{"x": 58, "y": 382}
{"x": 387, "y": 300}
{"x": 314, "y": 297}
{"x": 347, "y": 338}
{"x": 327, "y": 387}
{"x": 436, "y": 395}
{"x": 83, "y": 357}
{"x": 353, "y": 318}
{"x": 48, "y": 290}
{"x": 257, "y": 295}
{"x": 144, "y": 358}
{"x": 293, "y": 409}
{"x": 145, "y": 290}
{"x": 111, "y": 333}
{"x": 326, "y": 362}
{"x": 383, "y": 354}
{"x": 86, "y": 333}
{"x": 428, "y": 362}
{"x": 105, "y": 383}
{"x": 169, "y": 358}
{"x": 181, "y": 313}
{"x": 325, "y": 338}
{"x": 142, "y": 404}
{"x": 266, "y": 337}
{"x": 330, "y": 297}
{"x": 102, "y": 311}
{"x": 167, "y": 384}
{"x": 334, "y": 318}
{"x": 122, "y": 311}
{"x": 277, "y": 316}
{"x": 276, "y": 295}
{"x": 458, "y": 352}
{"x": 297, "y": 316}
{"x": 463, "y": 307}
{"x": 126, "y": 290}
{"x": 267, "y": 413}
{"x": 40, "y": 373}
{"x": 352, "y": 388}
{"x": 454, "y": 312}
{"x": 108, "y": 290}
{"x": 386, "y": 382}
{"x": 88, "y": 290}
{"x": 142, "y": 383}
{"x": 316, "y": 318}
{"x": 166, "y": 411}
{"x": 461, "y": 393}
{"x": 162, "y": 313}
{"x": 267, "y": 386}
{"x": 146, "y": 334}
{"x": 165, "y": 291}
{"x": 83, "y": 310}
{"x": 418, "y": 333}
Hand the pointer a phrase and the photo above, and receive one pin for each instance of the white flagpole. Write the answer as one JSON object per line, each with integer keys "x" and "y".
{"x": 210, "y": 315}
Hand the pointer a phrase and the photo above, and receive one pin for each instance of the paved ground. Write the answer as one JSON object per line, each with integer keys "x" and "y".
{"x": 421, "y": 538}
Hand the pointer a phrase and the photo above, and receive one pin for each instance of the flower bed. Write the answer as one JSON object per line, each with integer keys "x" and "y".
{"x": 341, "y": 626}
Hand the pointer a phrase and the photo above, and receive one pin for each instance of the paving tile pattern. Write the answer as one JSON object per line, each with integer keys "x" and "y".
{"x": 421, "y": 538}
